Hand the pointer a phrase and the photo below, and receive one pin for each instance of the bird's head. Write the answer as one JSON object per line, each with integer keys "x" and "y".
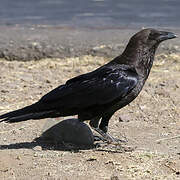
{"x": 151, "y": 37}
{"x": 142, "y": 46}
{"x": 144, "y": 42}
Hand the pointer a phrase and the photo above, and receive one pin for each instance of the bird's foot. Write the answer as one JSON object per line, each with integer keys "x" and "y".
{"x": 106, "y": 137}
{"x": 98, "y": 138}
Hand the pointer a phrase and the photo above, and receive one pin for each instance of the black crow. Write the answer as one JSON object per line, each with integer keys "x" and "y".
{"x": 97, "y": 95}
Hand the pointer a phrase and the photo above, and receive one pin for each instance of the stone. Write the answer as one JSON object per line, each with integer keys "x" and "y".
{"x": 70, "y": 131}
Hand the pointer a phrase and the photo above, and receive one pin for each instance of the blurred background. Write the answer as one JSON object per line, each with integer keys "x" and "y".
{"x": 91, "y": 13}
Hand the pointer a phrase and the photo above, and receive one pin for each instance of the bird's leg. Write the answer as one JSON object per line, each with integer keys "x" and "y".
{"x": 103, "y": 128}
{"x": 94, "y": 123}
{"x": 106, "y": 136}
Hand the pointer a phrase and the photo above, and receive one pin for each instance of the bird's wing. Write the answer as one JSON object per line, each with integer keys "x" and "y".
{"x": 96, "y": 88}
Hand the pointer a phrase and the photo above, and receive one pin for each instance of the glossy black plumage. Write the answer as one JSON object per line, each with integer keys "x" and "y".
{"x": 97, "y": 95}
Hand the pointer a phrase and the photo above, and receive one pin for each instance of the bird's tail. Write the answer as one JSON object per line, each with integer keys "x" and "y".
{"x": 33, "y": 111}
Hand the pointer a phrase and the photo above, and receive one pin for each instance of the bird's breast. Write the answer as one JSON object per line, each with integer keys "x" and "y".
{"x": 129, "y": 97}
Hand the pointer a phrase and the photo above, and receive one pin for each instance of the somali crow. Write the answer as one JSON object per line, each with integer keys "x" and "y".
{"x": 97, "y": 95}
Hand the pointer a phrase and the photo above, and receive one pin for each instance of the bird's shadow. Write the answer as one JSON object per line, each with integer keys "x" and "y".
{"x": 21, "y": 145}
{"x": 49, "y": 145}
{"x": 46, "y": 145}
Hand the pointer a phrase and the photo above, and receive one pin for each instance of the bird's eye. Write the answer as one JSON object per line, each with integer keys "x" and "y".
{"x": 154, "y": 35}
{"x": 151, "y": 36}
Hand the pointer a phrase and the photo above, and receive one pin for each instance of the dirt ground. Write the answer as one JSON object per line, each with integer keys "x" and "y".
{"x": 150, "y": 124}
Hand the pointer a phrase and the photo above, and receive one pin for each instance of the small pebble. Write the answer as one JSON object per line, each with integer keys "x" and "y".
{"x": 18, "y": 157}
{"x": 37, "y": 148}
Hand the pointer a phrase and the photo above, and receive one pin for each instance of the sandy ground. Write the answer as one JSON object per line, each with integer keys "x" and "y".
{"x": 39, "y": 42}
{"x": 150, "y": 123}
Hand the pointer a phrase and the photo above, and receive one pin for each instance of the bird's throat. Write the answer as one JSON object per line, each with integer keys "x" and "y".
{"x": 145, "y": 62}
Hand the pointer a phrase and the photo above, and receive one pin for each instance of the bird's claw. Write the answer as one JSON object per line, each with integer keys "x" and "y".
{"x": 107, "y": 138}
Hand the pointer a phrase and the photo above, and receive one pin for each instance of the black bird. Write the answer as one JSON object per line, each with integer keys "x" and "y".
{"x": 97, "y": 95}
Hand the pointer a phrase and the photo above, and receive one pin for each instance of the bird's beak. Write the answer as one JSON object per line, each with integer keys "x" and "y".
{"x": 166, "y": 35}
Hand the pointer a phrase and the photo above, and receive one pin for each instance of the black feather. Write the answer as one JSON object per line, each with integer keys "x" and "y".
{"x": 99, "y": 94}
